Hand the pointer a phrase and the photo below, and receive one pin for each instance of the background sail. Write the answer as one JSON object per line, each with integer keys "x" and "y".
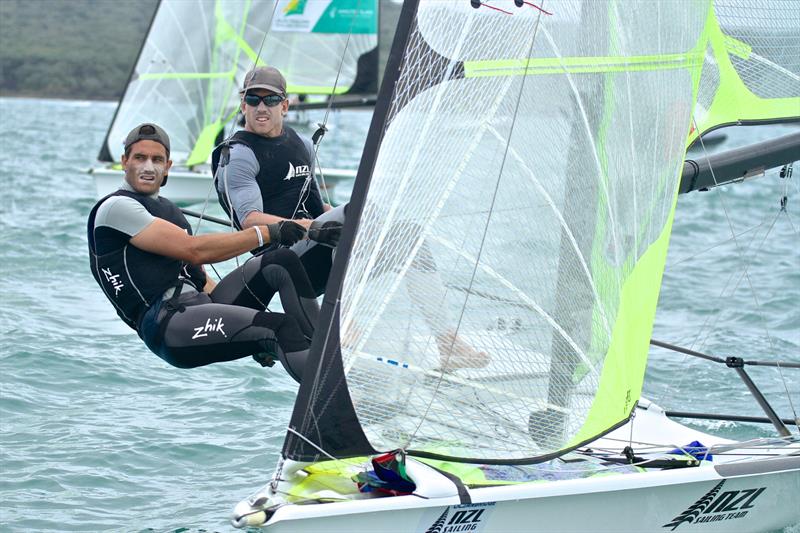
{"x": 197, "y": 53}
{"x": 752, "y": 65}
{"x": 520, "y": 204}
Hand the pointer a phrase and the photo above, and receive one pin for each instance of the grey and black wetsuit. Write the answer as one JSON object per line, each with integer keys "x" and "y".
{"x": 275, "y": 175}
{"x": 162, "y": 299}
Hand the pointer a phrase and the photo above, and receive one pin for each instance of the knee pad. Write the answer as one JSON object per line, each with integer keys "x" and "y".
{"x": 286, "y": 329}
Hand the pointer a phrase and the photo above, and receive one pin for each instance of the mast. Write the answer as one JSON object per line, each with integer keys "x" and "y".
{"x": 323, "y": 412}
{"x": 561, "y": 384}
{"x": 105, "y": 152}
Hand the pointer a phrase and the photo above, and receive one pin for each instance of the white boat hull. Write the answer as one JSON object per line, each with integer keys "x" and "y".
{"x": 657, "y": 501}
{"x": 755, "y": 489}
{"x": 190, "y": 186}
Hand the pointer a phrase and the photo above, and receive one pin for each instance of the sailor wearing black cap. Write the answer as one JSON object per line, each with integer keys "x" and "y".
{"x": 149, "y": 265}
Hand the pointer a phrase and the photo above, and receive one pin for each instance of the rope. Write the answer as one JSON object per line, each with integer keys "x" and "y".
{"x": 739, "y": 254}
{"x": 744, "y": 274}
{"x": 720, "y": 243}
{"x": 722, "y": 295}
{"x": 233, "y": 115}
{"x": 291, "y": 430}
{"x": 322, "y": 127}
{"x": 789, "y": 397}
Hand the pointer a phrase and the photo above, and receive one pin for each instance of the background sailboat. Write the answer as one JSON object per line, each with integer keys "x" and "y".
{"x": 530, "y": 158}
{"x": 196, "y": 54}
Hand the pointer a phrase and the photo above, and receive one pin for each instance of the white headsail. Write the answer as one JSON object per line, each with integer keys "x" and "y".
{"x": 197, "y": 52}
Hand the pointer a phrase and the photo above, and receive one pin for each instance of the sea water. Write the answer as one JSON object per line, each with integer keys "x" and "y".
{"x": 96, "y": 433}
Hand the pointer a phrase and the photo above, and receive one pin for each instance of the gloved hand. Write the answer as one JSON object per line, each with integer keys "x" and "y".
{"x": 285, "y": 232}
{"x": 327, "y": 233}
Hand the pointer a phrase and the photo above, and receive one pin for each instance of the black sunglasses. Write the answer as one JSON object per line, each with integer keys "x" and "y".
{"x": 269, "y": 100}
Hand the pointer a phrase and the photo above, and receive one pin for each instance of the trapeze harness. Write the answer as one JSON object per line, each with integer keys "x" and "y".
{"x": 189, "y": 328}
{"x": 284, "y": 175}
{"x": 287, "y": 190}
{"x": 133, "y": 279}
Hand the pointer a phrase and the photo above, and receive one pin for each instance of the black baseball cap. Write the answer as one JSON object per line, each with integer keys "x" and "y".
{"x": 147, "y": 132}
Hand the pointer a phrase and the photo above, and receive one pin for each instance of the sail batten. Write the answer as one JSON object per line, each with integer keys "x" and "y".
{"x": 557, "y": 160}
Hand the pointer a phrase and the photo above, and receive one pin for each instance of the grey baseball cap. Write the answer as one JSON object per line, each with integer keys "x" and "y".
{"x": 268, "y": 78}
{"x": 147, "y": 132}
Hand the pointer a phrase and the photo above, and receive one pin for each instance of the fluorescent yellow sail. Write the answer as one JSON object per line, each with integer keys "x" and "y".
{"x": 514, "y": 210}
{"x": 516, "y": 223}
{"x": 752, "y": 66}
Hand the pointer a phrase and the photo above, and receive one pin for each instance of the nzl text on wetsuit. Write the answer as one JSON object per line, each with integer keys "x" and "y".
{"x": 275, "y": 175}
{"x": 162, "y": 299}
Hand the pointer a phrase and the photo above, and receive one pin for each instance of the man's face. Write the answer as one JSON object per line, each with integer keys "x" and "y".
{"x": 262, "y": 119}
{"x": 145, "y": 166}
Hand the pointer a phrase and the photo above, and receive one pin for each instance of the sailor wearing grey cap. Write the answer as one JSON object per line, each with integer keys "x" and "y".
{"x": 266, "y": 174}
{"x": 150, "y": 267}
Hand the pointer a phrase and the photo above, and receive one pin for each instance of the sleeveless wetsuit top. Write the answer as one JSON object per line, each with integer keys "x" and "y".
{"x": 284, "y": 176}
{"x": 133, "y": 279}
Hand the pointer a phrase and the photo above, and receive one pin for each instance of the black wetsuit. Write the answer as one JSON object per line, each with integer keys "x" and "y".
{"x": 275, "y": 175}
{"x": 162, "y": 299}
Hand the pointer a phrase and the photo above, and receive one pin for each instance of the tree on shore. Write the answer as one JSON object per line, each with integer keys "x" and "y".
{"x": 70, "y": 48}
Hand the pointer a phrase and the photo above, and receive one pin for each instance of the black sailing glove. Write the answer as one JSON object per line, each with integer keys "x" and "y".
{"x": 285, "y": 232}
{"x": 327, "y": 233}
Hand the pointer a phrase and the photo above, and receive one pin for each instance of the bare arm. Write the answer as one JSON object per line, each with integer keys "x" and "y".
{"x": 164, "y": 238}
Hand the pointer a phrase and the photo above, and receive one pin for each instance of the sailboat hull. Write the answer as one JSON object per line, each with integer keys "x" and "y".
{"x": 189, "y": 186}
{"x": 745, "y": 487}
{"x": 692, "y": 499}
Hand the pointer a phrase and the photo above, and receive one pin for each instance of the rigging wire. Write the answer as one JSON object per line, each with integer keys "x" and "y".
{"x": 789, "y": 397}
{"x": 717, "y": 317}
{"x": 322, "y": 127}
{"x": 232, "y": 120}
{"x": 453, "y": 337}
{"x": 268, "y": 26}
{"x": 739, "y": 254}
{"x": 234, "y": 115}
{"x": 786, "y": 174}
{"x": 290, "y": 429}
{"x": 717, "y": 244}
{"x": 725, "y": 293}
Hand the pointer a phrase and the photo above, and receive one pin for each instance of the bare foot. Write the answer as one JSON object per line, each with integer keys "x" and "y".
{"x": 350, "y": 336}
{"x": 454, "y": 353}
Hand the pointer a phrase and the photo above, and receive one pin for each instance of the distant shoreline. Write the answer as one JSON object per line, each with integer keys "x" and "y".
{"x": 34, "y": 96}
